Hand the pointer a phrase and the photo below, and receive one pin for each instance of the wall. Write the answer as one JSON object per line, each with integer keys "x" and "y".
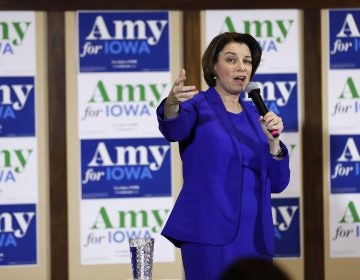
{"x": 316, "y": 233}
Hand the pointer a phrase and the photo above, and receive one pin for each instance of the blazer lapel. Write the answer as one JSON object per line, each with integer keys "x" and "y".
{"x": 215, "y": 102}
{"x": 254, "y": 121}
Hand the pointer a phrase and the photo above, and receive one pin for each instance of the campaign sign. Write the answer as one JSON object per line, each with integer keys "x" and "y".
{"x": 17, "y": 43}
{"x": 344, "y": 235}
{"x": 344, "y": 102}
{"x": 277, "y": 32}
{"x": 344, "y": 39}
{"x": 17, "y": 106}
{"x": 112, "y": 168}
{"x": 345, "y": 163}
{"x": 18, "y": 170}
{"x": 286, "y": 220}
{"x": 123, "y": 41}
{"x": 107, "y": 225}
{"x": 280, "y": 94}
{"x": 18, "y": 234}
{"x": 113, "y": 105}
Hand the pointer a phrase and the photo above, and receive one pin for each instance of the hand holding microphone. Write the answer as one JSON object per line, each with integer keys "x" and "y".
{"x": 253, "y": 92}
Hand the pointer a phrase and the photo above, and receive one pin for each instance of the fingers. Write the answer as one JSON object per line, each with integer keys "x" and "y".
{"x": 272, "y": 122}
{"x": 180, "y": 93}
{"x": 181, "y": 78}
{"x": 183, "y": 90}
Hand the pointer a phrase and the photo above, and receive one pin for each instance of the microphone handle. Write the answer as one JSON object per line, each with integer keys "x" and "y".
{"x": 261, "y": 107}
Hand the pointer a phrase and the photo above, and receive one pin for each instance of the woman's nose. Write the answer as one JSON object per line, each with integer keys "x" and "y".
{"x": 241, "y": 66}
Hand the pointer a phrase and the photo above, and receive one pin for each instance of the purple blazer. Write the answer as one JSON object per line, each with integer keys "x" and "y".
{"x": 208, "y": 207}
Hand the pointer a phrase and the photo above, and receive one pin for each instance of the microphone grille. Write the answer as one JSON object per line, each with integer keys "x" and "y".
{"x": 251, "y": 86}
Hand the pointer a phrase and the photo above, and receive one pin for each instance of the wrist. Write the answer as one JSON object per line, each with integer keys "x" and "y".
{"x": 274, "y": 146}
{"x": 278, "y": 155}
{"x": 171, "y": 102}
{"x": 171, "y": 110}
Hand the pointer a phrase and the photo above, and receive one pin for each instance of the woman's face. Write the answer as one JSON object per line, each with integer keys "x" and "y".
{"x": 233, "y": 68}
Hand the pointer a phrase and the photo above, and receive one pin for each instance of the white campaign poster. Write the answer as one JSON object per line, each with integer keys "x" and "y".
{"x": 17, "y": 43}
{"x": 109, "y": 223}
{"x": 18, "y": 170}
{"x": 345, "y": 225}
{"x": 344, "y": 101}
{"x": 121, "y": 105}
{"x": 277, "y": 32}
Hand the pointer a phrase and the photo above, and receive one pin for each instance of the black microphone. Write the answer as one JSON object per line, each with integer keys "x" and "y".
{"x": 253, "y": 92}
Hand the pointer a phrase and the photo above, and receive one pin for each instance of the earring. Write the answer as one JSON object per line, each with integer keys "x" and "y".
{"x": 214, "y": 77}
